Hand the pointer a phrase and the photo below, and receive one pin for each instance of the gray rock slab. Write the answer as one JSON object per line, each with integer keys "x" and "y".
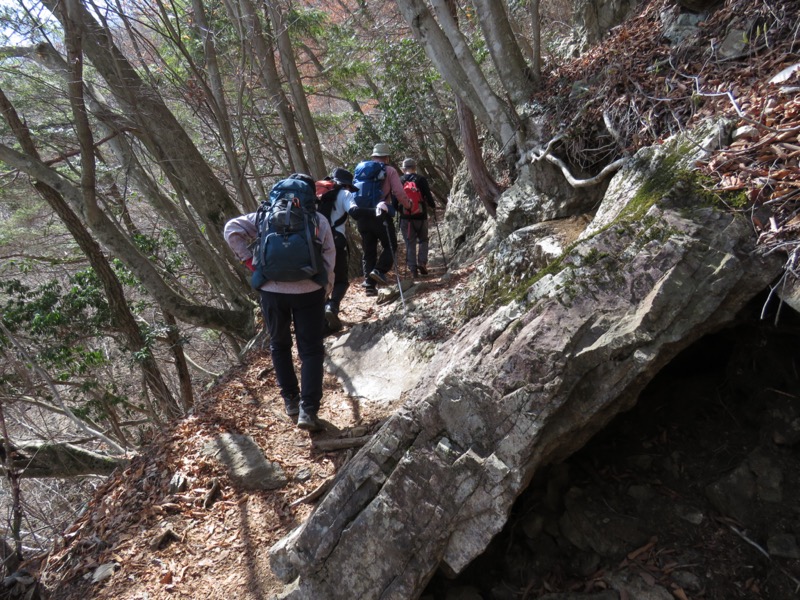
{"x": 376, "y": 363}
{"x": 245, "y": 462}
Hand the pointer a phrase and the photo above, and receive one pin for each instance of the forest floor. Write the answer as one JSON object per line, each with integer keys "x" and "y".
{"x": 218, "y": 545}
{"x": 212, "y": 540}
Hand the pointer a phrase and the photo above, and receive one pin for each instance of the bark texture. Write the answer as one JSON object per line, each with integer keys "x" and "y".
{"x": 506, "y": 54}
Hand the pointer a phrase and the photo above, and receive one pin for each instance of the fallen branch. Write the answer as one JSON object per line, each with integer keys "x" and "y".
{"x": 749, "y": 541}
{"x": 340, "y": 444}
{"x": 31, "y": 460}
{"x": 582, "y": 183}
{"x": 317, "y": 492}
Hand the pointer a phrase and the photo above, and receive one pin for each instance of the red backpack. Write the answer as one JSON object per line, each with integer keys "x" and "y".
{"x": 415, "y": 196}
{"x": 323, "y": 186}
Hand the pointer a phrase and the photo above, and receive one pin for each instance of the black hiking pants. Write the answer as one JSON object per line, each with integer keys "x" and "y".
{"x": 341, "y": 277}
{"x": 376, "y": 230}
{"x": 307, "y": 313}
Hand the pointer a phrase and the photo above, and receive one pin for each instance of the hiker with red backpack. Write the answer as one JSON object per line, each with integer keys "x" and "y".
{"x": 334, "y": 199}
{"x": 378, "y": 186}
{"x": 414, "y": 219}
{"x": 289, "y": 248}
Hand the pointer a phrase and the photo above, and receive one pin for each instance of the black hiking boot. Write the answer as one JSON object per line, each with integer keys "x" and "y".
{"x": 309, "y": 421}
{"x": 332, "y": 319}
{"x": 379, "y": 277}
{"x": 292, "y": 405}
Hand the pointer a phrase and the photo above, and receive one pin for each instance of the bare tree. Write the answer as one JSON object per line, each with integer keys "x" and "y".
{"x": 154, "y": 124}
{"x": 449, "y": 51}
{"x": 515, "y": 75}
{"x": 313, "y": 149}
{"x": 255, "y": 36}
{"x": 114, "y": 291}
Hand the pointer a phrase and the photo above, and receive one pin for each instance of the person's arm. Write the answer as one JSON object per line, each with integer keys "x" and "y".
{"x": 239, "y": 233}
{"x": 425, "y": 189}
{"x": 358, "y": 212}
{"x": 355, "y": 211}
{"x": 395, "y": 188}
{"x": 343, "y": 202}
{"x": 328, "y": 250}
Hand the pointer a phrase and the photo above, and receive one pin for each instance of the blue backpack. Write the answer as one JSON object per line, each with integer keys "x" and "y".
{"x": 288, "y": 247}
{"x": 368, "y": 179}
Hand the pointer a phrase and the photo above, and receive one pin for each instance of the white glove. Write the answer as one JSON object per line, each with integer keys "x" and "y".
{"x": 381, "y": 207}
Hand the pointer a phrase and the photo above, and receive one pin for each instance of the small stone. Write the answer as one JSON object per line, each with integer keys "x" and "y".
{"x": 783, "y": 545}
{"x": 177, "y": 484}
{"x": 746, "y": 132}
{"x": 688, "y": 581}
{"x": 303, "y": 474}
{"x": 690, "y": 515}
{"x": 104, "y": 571}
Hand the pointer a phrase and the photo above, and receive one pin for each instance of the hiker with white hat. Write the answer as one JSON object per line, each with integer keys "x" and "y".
{"x": 377, "y": 185}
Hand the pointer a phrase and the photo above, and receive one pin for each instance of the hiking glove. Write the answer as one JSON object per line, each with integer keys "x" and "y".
{"x": 381, "y": 207}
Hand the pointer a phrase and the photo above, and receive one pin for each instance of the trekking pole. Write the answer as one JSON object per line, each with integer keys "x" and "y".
{"x": 396, "y": 268}
{"x": 439, "y": 235}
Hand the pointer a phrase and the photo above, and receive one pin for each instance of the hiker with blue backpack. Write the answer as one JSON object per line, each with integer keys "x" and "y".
{"x": 334, "y": 200}
{"x": 378, "y": 186}
{"x": 290, "y": 250}
{"x": 414, "y": 219}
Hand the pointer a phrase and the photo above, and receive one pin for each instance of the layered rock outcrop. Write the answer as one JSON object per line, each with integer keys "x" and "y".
{"x": 566, "y": 349}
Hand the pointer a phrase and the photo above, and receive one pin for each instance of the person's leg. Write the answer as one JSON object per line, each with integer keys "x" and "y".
{"x": 308, "y": 311}
{"x": 407, "y": 231}
{"x": 341, "y": 281}
{"x": 278, "y": 319}
{"x": 369, "y": 243}
{"x": 388, "y": 238}
{"x": 422, "y": 236}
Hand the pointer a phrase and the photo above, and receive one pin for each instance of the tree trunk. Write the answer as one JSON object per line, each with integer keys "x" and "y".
{"x": 181, "y": 366}
{"x": 536, "y": 42}
{"x": 219, "y": 108}
{"x": 313, "y": 148}
{"x": 506, "y": 55}
{"x": 155, "y": 126}
{"x": 485, "y": 185}
{"x": 58, "y": 460}
{"x": 449, "y": 51}
{"x": 263, "y": 57}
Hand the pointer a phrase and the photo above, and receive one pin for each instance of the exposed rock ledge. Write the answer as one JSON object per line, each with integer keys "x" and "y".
{"x": 526, "y": 387}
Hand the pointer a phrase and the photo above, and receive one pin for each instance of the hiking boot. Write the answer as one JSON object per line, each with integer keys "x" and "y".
{"x": 292, "y": 405}
{"x": 414, "y": 272}
{"x": 423, "y": 270}
{"x": 367, "y": 283}
{"x": 378, "y": 277}
{"x": 371, "y": 291}
{"x": 332, "y": 319}
{"x": 309, "y": 421}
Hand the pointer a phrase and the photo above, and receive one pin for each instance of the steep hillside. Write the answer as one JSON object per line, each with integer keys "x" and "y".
{"x": 175, "y": 524}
